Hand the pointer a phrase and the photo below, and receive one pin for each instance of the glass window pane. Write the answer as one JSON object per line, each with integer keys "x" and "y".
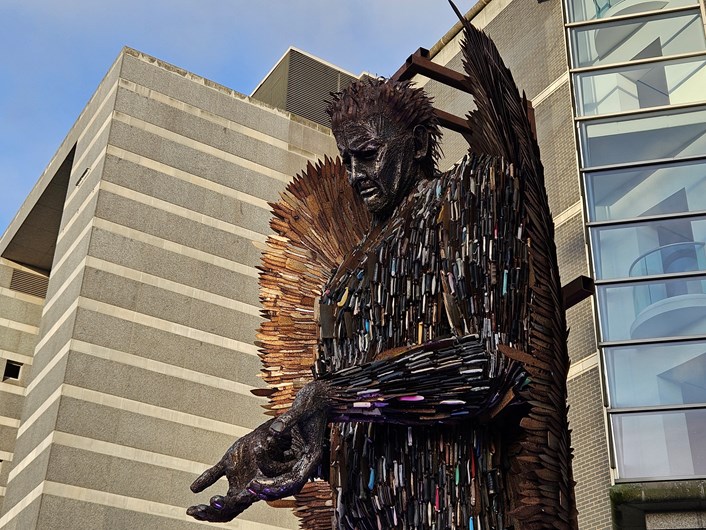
{"x": 660, "y": 444}
{"x": 633, "y": 39}
{"x": 650, "y": 248}
{"x": 650, "y": 190}
{"x": 656, "y": 374}
{"x": 597, "y": 9}
{"x": 641, "y": 86}
{"x": 668, "y": 134}
{"x": 652, "y": 309}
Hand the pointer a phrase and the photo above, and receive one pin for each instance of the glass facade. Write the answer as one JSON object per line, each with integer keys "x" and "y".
{"x": 656, "y": 36}
{"x": 669, "y": 134}
{"x": 646, "y": 191}
{"x": 642, "y": 86}
{"x": 638, "y": 70}
{"x": 580, "y": 10}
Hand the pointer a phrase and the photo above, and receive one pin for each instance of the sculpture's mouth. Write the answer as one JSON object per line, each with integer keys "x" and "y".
{"x": 368, "y": 189}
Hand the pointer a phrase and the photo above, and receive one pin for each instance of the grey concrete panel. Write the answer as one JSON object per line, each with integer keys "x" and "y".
{"x": 62, "y": 513}
{"x": 144, "y": 341}
{"x": 82, "y": 161}
{"x": 5, "y": 275}
{"x": 53, "y": 344}
{"x": 17, "y": 341}
{"x": 59, "y": 513}
{"x": 195, "y": 162}
{"x": 220, "y": 101}
{"x": 207, "y": 132}
{"x": 59, "y": 276}
{"x": 93, "y": 141}
{"x": 51, "y": 380}
{"x": 36, "y": 433}
{"x": 26, "y": 519}
{"x": 10, "y": 405}
{"x": 176, "y": 229}
{"x": 185, "y": 194}
{"x": 28, "y": 479}
{"x": 4, "y": 472}
{"x": 61, "y": 303}
{"x": 145, "y": 386}
{"x": 7, "y": 438}
{"x": 78, "y": 224}
{"x": 20, "y": 310}
{"x": 249, "y": 369}
{"x": 172, "y": 266}
{"x": 121, "y": 427}
{"x": 669, "y": 520}
{"x": 313, "y": 141}
{"x": 82, "y": 217}
{"x": 88, "y": 163}
{"x": 116, "y": 290}
{"x": 166, "y": 305}
{"x": 157, "y": 484}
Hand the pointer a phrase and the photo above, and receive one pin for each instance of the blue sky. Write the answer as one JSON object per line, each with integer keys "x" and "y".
{"x": 55, "y": 52}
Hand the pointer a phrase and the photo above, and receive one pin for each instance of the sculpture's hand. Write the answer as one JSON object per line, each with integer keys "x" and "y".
{"x": 240, "y": 466}
{"x": 305, "y": 424}
{"x": 272, "y": 462}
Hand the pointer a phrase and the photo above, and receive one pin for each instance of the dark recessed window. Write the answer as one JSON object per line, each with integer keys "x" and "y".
{"x": 12, "y": 370}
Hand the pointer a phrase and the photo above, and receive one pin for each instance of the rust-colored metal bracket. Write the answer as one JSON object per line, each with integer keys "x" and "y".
{"x": 419, "y": 64}
{"x": 577, "y": 290}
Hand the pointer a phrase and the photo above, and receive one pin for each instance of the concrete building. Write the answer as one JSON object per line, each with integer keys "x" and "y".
{"x": 130, "y": 301}
{"x": 299, "y": 83}
{"x": 140, "y": 231}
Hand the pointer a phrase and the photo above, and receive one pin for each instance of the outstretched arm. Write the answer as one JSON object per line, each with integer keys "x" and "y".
{"x": 438, "y": 382}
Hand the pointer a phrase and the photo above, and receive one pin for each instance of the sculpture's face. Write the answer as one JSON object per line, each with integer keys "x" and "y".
{"x": 380, "y": 161}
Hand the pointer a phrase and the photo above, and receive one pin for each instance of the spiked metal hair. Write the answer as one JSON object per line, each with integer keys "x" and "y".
{"x": 371, "y": 99}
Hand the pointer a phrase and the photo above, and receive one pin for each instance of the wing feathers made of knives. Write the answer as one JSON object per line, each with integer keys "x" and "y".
{"x": 316, "y": 223}
{"x": 500, "y": 127}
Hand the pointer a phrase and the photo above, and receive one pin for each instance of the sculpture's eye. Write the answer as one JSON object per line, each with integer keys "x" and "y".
{"x": 367, "y": 154}
{"x": 346, "y": 161}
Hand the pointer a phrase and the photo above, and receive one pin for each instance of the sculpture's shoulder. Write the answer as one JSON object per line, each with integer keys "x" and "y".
{"x": 474, "y": 179}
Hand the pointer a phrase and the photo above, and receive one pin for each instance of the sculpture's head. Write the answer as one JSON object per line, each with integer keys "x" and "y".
{"x": 388, "y": 137}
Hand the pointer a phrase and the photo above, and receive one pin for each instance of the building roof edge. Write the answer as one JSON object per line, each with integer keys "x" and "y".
{"x": 456, "y": 28}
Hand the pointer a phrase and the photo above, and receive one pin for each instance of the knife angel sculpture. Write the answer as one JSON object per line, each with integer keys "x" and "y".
{"x": 414, "y": 338}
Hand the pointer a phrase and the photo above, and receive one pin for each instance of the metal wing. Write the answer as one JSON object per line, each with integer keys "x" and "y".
{"x": 543, "y": 482}
{"x": 317, "y": 222}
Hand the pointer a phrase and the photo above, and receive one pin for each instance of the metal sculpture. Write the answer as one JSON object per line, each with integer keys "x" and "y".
{"x": 429, "y": 307}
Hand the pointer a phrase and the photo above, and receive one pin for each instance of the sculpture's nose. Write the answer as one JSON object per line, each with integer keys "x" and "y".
{"x": 355, "y": 173}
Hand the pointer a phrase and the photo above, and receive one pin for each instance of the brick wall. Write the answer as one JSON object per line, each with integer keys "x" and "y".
{"x": 591, "y": 465}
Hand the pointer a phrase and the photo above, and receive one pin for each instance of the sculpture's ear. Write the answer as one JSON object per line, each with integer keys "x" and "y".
{"x": 421, "y": 141}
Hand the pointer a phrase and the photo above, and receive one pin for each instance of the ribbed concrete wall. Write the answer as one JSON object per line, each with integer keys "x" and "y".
{"x": 145, "y": 356}
{"x": 20, "y": 315}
